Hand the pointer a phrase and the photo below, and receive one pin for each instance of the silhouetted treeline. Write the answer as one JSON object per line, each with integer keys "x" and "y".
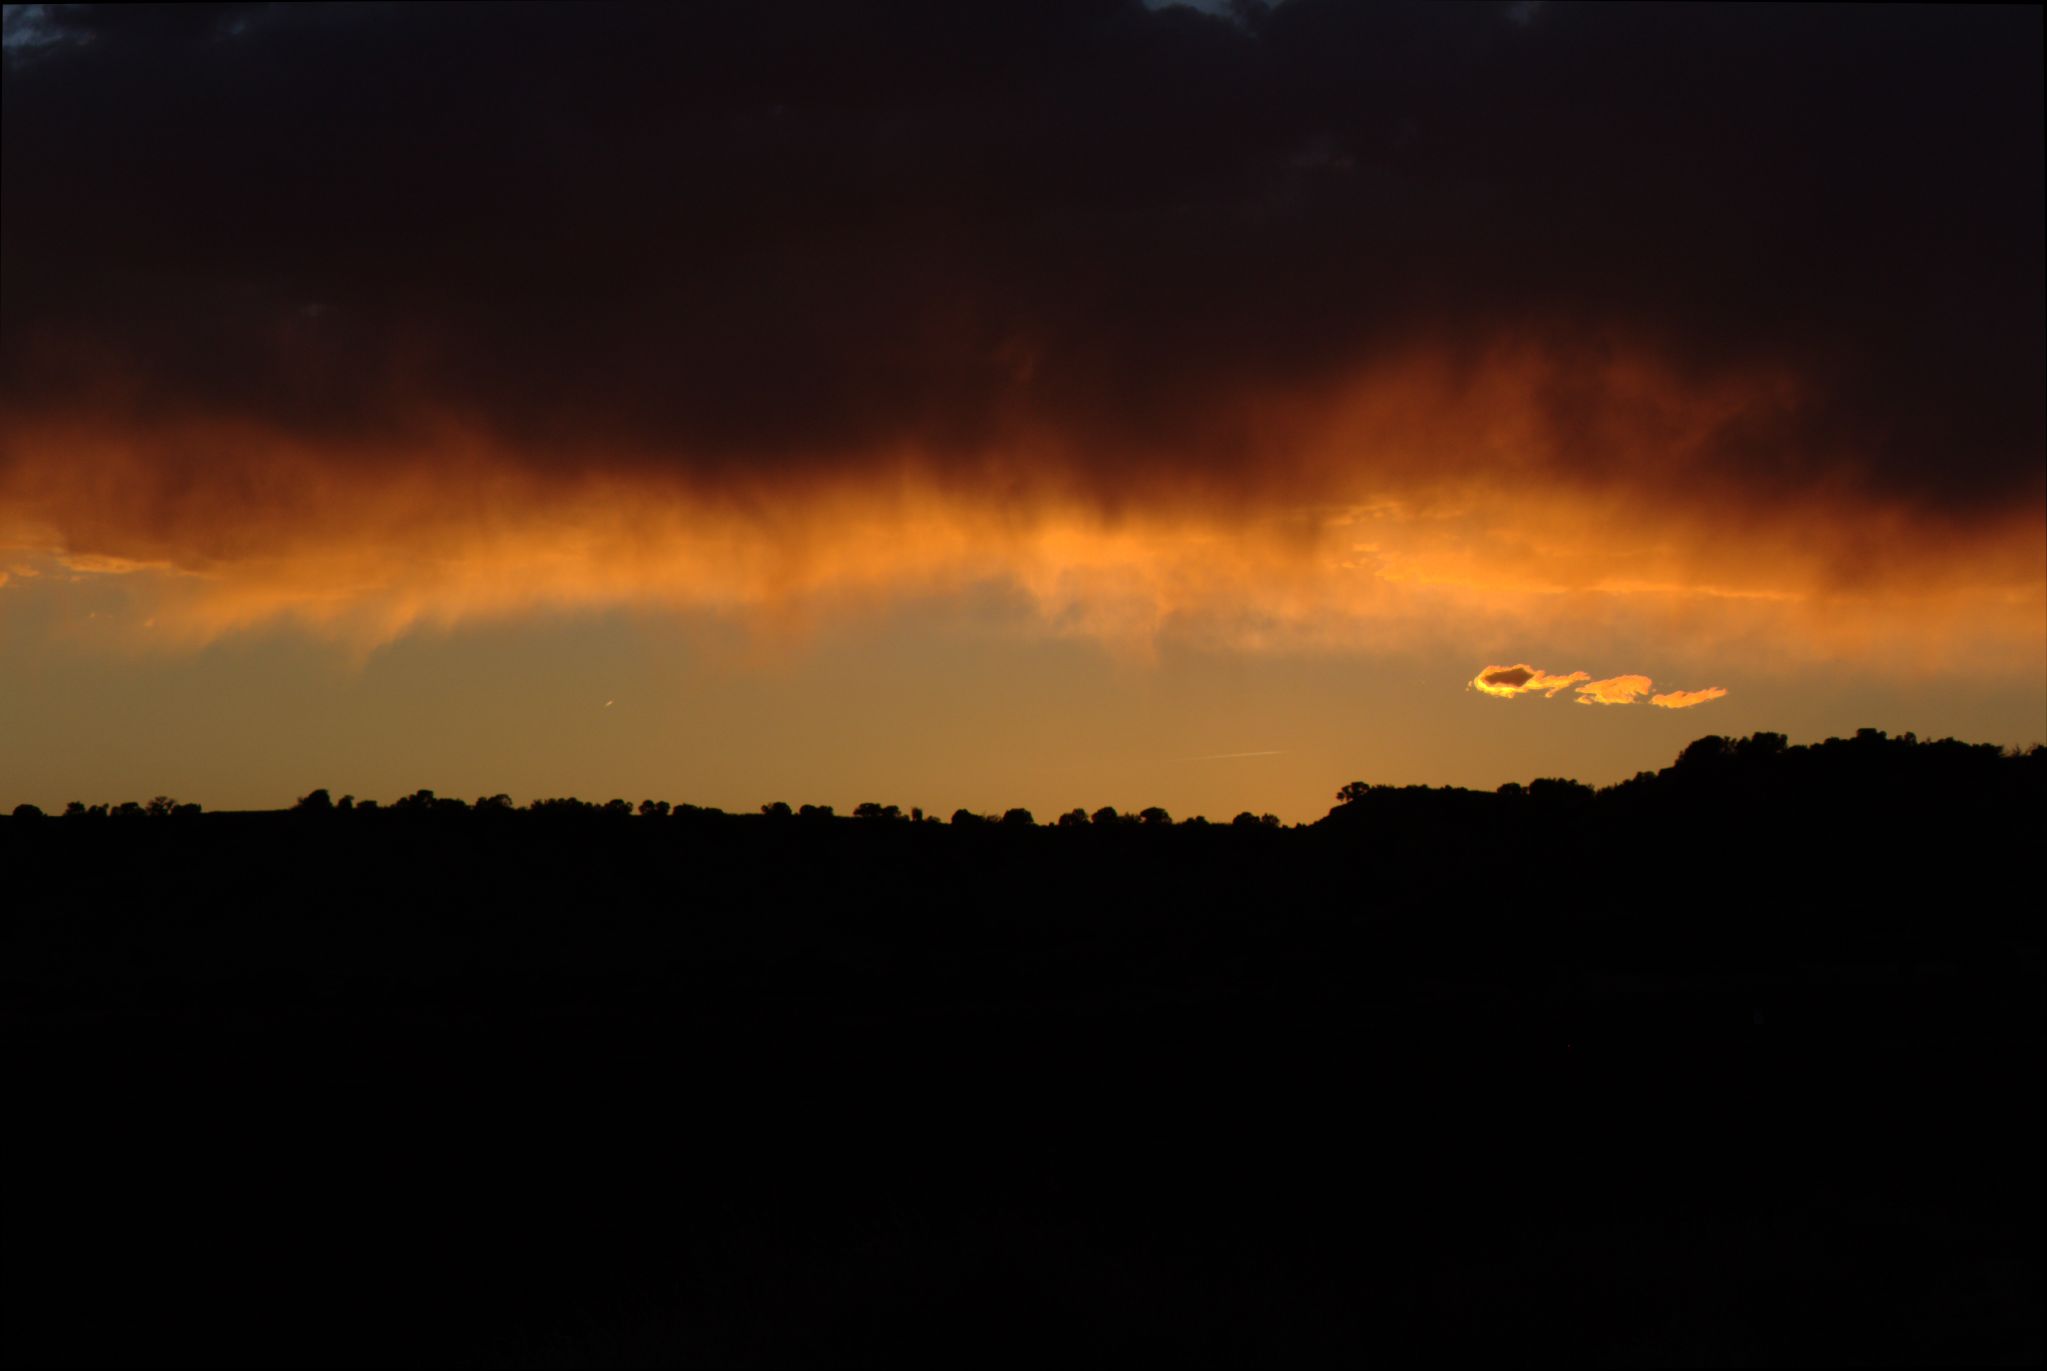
{"x": 1736, "y": 1062}
{"x": 1753, "y": 769}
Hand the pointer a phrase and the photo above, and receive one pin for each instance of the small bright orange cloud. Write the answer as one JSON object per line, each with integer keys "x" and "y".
{"x": 1521, "y": 679}
{"x": 1685, "y": 699}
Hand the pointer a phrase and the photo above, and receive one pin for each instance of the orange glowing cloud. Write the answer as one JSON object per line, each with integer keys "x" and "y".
{"x": 1505, "y": 682}
{"x": 1522, "y": 679}
{"x": 1411, "y": 506}
{"x": 1685, "y": 699}
{"x": 1614, "y": 690}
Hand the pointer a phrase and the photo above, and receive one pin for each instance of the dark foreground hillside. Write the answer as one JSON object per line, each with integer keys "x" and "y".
{"x": 1738, "y": 1064}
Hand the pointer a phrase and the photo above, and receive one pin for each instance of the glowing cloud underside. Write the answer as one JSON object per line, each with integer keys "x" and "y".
{"x": 1364, "y": 536}
{"x": 1506, "y": 682}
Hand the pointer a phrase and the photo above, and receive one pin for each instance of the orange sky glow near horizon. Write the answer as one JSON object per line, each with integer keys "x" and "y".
{"x": 1384, "y": 536}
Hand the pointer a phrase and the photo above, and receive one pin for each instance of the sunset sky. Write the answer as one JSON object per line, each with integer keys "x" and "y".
{"x": 1010, "y": 403}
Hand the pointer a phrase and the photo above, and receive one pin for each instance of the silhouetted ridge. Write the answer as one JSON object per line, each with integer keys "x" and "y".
{"x": 1763, "y": 767}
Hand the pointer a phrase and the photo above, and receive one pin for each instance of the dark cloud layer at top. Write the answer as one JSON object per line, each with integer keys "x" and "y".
{"x": 770, "y": 234}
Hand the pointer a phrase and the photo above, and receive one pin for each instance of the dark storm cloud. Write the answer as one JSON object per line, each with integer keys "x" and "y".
{"x": 771, "y": 235}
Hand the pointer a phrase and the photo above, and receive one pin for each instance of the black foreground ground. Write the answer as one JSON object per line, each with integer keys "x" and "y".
{"x": 1739, "y": 1064}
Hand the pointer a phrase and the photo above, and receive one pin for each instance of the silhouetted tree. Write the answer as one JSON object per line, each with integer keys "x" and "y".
{"x": 563, "y": 805}
{"x": 618, "y": 809}
{"x": 75, "y": 810}
{"x": 1155, "y": 817}
{"x": 1073, "y": 818}
{"x": 1707, "y": 753}
{"x": 962, "y": 818}
{"x": 1018, "y": 818}
{"x": 1759, "y": 746}
{"x": 814, "y": 812}
{"x": 318, "y": 802}
{"x": 653, "y": 809}
{"x": 27, "y": 811}
{"x": 870, "y": 810}
{"x": 777, "y": 809}
{"x": 1106, "y": 816}
{"x": 426, "y": 801}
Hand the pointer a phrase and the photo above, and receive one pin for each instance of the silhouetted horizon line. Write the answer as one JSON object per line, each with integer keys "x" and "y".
{"x": 1758, "y": 746}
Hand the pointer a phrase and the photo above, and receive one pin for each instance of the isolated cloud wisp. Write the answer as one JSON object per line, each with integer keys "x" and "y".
{"x": 1685, "y": 699}
{"x": 1522, "y": 679}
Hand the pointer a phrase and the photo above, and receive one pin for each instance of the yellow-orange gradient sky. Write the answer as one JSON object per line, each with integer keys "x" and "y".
{"x": 799, "y": 438}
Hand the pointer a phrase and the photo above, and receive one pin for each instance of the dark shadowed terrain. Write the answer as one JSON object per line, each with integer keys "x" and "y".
{"x": 1737, "y": 1063}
